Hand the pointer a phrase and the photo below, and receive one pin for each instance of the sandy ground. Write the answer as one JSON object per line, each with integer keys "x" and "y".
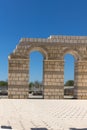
{"x": 33, "y": 114}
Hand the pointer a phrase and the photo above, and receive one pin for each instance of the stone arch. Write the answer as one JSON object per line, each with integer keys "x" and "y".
{"x": 77, "y": 57}
{"x": 72, "y": 52}
{"x": 40, "y": 49}
{"x": 42, "y": 53}
{"x": 53, "y": 49}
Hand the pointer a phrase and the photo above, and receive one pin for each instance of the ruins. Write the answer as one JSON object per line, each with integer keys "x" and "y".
{"x": 53, "y": 49}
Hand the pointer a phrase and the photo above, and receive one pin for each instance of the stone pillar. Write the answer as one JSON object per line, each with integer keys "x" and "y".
{"x": 81, "y": 79}
{"x": 53, "y": 79}
{"x": 18, "y": 78}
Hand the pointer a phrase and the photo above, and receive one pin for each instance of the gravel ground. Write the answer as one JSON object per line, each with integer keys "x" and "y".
{"x": 33, "y": 114}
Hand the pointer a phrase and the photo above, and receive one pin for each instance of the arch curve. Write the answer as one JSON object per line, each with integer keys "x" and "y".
{"x": 72, "y": 52}
{"x": 41, "y": 50}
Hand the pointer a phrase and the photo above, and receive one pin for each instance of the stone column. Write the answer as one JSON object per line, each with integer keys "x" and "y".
{"x": 81, "y": 79}
{"x": 18, "y": 78}
{"x": 53, "y": 79}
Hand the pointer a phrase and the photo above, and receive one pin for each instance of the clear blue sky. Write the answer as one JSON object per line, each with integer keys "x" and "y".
{"x": 38, "y": 18}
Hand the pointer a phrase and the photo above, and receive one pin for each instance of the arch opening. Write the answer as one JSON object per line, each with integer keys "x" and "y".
{"x": 36, "y": 74}
{"x": 69, "y": 75}
{"x": 39, "y": 49}
{"x": 73, "y": 53}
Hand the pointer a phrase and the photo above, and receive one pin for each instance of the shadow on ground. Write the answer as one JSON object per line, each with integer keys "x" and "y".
{"x": 6, "y": 127}
{"x": 78, "y": 128}
{"x": 39, "y": 129}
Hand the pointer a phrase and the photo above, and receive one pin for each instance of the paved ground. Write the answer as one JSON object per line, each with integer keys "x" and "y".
{"x": 42, "y": 114}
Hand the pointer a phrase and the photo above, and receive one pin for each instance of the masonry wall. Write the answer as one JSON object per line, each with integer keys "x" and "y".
{"x": 81, "y": 79}
{"x": 53, "y": 79}
{"x": 18, "y": 78}
{"x": 53, "y": 49}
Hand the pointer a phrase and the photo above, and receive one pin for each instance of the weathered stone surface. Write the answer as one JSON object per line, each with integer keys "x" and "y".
{"x": 53, "y": 49}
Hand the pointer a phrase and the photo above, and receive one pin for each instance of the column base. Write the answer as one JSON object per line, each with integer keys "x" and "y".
{"x": 53, "y": 92}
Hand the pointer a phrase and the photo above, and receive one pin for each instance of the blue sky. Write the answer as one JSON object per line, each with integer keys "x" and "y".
{"x": 38, "y": 18}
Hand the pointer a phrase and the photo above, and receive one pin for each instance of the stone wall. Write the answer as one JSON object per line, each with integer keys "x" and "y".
{"x": 53, "y": 49}
{"x": 18, "y": 78}
{"x": 53, "y": 79}
{"x": 81, "y": 79}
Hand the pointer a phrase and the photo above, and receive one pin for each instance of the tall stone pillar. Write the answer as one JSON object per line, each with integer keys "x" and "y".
{"x": 18, "y": 78}
{"x": 81, "y": 80}
{"x": 53, "y": 79}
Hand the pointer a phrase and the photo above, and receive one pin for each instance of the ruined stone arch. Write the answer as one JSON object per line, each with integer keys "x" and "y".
{"x": 53, "y": 49}
{"x": 72, "y": 52}
{"x": 39, "y": 49}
